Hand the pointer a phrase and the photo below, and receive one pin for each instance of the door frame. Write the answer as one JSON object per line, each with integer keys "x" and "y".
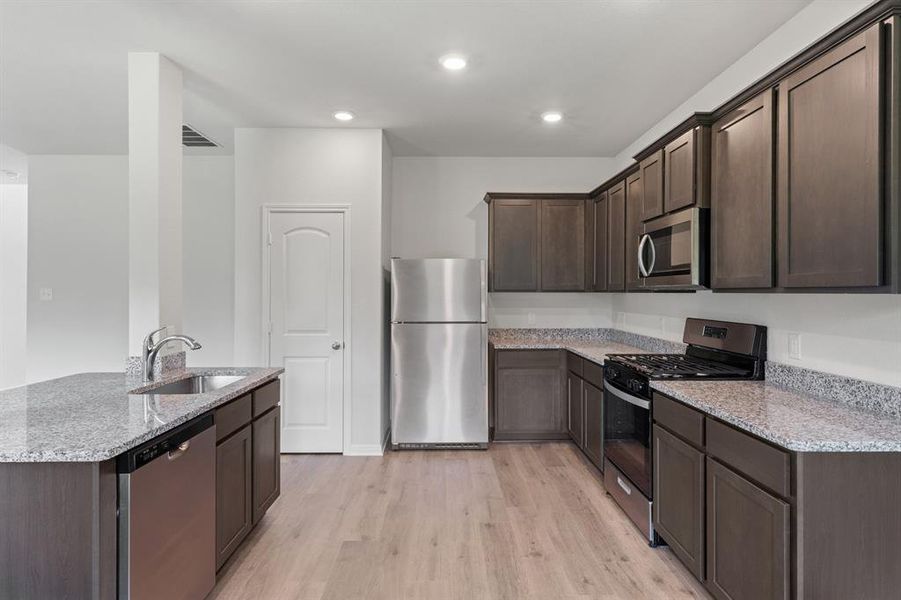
{"x": 266, "y": 313}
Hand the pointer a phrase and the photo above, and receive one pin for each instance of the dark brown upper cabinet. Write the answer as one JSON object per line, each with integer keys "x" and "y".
{"x": 563, "y": 248}
{"x": 513, "y": 239}
{"x": 685, "y": 170}
{"x": 741, "y": 200}
{"x": 616, "y": 238}
{"x": 651, "y": 173}
{"x": 633, "y": 229}
{"x": 600, "y": 265}
{"x": 829, "y": 191}
{"x": 540, "y": 242}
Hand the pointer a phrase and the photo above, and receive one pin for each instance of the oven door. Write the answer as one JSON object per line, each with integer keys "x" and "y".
{"x": 672, "y": 251}
{"x": 627, "y": 435}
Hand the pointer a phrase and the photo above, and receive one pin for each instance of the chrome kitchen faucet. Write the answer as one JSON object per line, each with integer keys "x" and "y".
{"x": 150, "y": 350}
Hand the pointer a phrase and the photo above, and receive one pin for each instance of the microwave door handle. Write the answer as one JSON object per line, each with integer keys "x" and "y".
{"x": 653, "y": 255}
{"x": 641, "y": 268}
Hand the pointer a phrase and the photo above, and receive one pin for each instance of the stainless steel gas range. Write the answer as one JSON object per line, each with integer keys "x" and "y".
{"x": 716, "y": 350}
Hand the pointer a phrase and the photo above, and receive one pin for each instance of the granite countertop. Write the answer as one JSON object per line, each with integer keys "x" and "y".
{"x": 92, "y": 417}
{"x": 594, "y": 349}
{"x": 804, "y": 417}
{"x": 788, "y": 418}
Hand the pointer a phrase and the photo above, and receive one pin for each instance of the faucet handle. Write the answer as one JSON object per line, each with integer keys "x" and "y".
{"x": 148, "y": 341}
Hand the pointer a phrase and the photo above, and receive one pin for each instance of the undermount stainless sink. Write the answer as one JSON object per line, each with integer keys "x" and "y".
{"x": 198, "y": 384}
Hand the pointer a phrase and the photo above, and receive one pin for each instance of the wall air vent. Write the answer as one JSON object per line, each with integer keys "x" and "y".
{"x": 192, "y": 138}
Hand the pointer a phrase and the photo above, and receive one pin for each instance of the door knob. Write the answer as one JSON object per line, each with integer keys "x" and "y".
{"x": 336, "y": 345}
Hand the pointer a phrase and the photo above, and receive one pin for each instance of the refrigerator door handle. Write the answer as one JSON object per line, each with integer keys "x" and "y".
{"x": 484, "y": 346}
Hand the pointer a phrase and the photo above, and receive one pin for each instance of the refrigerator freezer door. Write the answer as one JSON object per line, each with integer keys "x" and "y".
{"x": 438, "y": 290}
{"x": 439, "y": 389}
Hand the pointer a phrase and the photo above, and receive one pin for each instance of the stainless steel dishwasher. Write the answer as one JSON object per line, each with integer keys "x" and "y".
{"x": 167, "y": 515}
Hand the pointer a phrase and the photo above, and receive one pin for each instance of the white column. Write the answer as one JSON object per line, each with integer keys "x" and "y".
{"x": 13, "y": 281}
{"x": 154, "y": 196}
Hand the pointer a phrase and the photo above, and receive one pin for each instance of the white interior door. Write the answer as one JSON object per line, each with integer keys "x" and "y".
{"x": 306, "y": 307}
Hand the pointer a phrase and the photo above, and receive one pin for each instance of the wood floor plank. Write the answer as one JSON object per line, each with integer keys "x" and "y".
{"x": 520, "y": 521}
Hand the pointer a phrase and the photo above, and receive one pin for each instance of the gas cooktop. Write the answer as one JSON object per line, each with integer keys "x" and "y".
{"x": 675, "y": 366}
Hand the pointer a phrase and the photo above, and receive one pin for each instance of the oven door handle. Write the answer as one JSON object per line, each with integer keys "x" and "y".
{"x": 641, "y": 268}
{"x": 640, "y": 402}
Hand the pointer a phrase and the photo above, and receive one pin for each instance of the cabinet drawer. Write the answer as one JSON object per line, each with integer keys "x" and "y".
{"x": 683, "y": 421}
{"x": 232, "y": 416}
{"x": 528, "y": 359}
{"x": 265, "y": 398}
{"x": 574, "y": 363}
{"x": 758, "y": 460}
{"x": 628, "y": 497}
{"x": 593, "y": 373}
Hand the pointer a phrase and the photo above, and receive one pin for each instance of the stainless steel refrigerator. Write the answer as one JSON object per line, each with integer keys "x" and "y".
{"x": 439, "y": 353}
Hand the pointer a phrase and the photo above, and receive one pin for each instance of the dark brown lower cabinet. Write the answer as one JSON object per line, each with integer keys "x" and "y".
{"x": 678, "y": 511}
{"x": 530, "y": 401}
{"x": 748, "y": 543}
{"x": 234, "y": 516}
{"x": 266, "y": 463}
{"x": 575, "y": 408}
{"x": 594, "y": 424}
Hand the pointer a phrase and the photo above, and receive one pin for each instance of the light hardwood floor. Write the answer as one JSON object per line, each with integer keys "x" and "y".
{"x": 526, "y": 521}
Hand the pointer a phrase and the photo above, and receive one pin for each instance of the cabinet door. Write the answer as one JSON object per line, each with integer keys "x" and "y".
{"x": 562, "y": 245}
{"x": 574, "y": 408}
{"x": 633, "y": 230}
{"x": 651, "y": 173}
{"x": 747, "y": 538}
{"x": 514, "y": 245}
{"x": 594, "y": 424}
{"x": 679, "y": 498}
{"x": 679, "y": 172}
{"x": 266, "y": 463}
{"x": 616, "y": 238}
{"x": 742, "y": 198}
{"x": 599, "y": 264}
{"x": 829, "y": 193}
{"x": 234, "y": 474}
{"x": 530, "y": 403}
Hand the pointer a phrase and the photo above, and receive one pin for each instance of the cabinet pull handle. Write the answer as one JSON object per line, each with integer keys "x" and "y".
{"x": 622, "y": 484}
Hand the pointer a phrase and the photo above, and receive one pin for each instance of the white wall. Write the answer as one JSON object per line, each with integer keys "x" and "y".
{"x": 317, "y": 166}
{"x": 78, "y": 246}
{"x": 387, "y": 190}
{"x": 208, "y": 207}
{"x": 438, "y": 210}
{"x": 13, "y": 283}
{"x": 857, "y": 335}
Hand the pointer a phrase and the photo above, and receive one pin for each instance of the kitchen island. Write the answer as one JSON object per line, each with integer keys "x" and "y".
{"x": 59, "y": 493}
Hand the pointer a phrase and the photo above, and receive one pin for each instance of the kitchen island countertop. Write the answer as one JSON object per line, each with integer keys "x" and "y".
{"x": 92, "y": 417}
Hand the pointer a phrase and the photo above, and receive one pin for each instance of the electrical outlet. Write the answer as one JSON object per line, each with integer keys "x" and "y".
{"x": 531, "y": 318}
{"x": 794, "y": 346}
{"x": 46, "y": 294}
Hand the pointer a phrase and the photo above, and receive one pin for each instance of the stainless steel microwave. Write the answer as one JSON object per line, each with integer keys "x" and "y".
{"x": 673, "y": 251}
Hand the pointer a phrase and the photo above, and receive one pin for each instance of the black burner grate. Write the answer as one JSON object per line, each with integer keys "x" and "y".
{"x": 678, "y": 365}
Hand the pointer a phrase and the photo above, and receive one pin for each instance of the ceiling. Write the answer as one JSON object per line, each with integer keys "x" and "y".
{"x": 614, "y": 68}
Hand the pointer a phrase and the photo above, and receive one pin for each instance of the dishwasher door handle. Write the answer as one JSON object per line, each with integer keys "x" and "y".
{"x": 182, "y": 448}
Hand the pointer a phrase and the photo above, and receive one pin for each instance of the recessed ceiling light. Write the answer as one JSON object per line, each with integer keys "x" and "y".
{"x": 552, "y": 117}
{"x": 344, "y": 115}
{"x": 453, "y": 62}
